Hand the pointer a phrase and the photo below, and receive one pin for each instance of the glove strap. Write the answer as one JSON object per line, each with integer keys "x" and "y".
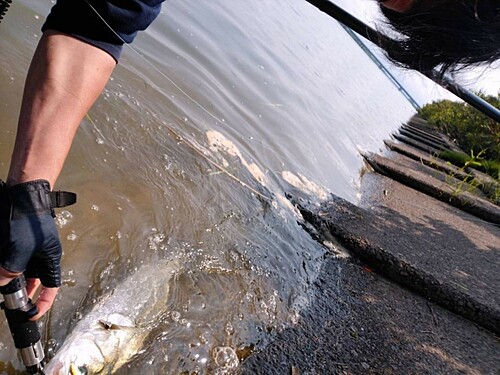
{"x": 61, "y": 198}
{"x": 35, "y": 197}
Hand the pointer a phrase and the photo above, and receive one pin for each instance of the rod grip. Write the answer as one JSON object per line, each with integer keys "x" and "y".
{"x": 24, "y": 331}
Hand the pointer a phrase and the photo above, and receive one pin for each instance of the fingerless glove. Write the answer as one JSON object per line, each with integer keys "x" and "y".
{"x": 29, "y": 240}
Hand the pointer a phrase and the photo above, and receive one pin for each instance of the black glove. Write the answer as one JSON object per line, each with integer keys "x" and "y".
{"x": 29, "y": 239}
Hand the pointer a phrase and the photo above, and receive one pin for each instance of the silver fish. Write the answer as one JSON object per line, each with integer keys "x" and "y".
{"x": 115, "y": 329}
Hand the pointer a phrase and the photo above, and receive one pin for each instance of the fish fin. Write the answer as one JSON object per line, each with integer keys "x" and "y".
{"x": 113, "y": 326}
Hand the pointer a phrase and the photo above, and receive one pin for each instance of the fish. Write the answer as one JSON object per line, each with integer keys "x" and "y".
{"x": 115, "y": 329}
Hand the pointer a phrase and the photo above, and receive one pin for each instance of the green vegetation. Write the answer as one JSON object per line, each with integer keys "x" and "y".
{"x": 492, "y": 168}
{"x": 473, "y": 132}
{"x": 460, "y": 159}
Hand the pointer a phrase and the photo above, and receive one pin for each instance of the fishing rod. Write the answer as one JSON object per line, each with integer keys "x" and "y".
{"x": 19, "y": 309}
{"x": 384, "y": 42}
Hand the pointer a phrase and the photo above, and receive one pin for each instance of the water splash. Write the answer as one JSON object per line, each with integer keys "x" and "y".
{"x": 225, "y": 359}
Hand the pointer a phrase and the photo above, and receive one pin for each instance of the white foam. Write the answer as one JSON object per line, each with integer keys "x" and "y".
{"x": 302, "y": 183}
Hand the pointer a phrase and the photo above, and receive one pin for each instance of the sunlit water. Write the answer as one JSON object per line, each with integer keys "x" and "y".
{"x": 220, "y": 109}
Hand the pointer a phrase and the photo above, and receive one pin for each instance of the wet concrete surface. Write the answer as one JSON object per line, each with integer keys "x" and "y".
{"x": 361, "y": 323}
{"x": 418, "y": 247}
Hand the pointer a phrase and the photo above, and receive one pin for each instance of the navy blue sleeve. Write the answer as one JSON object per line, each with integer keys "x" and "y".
{"x": 106, "y": 24}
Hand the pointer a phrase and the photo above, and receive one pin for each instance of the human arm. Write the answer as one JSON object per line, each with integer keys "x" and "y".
{"x": 80, "y": 46}
{"x": 65, "y": 78}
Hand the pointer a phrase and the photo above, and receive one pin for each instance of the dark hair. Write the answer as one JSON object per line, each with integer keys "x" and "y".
{"x": 445, "y": 34}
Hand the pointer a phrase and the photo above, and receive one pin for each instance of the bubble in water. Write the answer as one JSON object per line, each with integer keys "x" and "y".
{"x": 229, "y": 328}
{"x": 203, "y": 338}
{"x": 175, "y": 315}
{"x": 71, "y": 236}
{"x": 63, "y": 218}
{"x": 155, "y": 240}
{"x": 51, "y": 347}
{"x": 225, "y": 358}
{"x": 185, "y": 322}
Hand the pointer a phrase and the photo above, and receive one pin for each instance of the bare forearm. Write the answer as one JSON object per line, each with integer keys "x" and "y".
{"x": 65, "y": 78}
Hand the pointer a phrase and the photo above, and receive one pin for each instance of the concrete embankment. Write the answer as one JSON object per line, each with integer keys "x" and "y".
{"x": 457, "y": 270}
{"x": 432, "y": 303}
{"x": 452, "y": 259}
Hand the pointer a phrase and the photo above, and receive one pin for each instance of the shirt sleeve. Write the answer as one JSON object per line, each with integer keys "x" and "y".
{"x": 106, "y": 24}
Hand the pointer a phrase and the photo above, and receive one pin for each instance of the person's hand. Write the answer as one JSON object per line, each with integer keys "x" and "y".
{"x": 29, "y": 240}
{"x": 46, "y": 297}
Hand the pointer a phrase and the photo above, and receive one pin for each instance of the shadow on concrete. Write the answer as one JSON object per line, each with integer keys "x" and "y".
{"x": 360, "y": 323}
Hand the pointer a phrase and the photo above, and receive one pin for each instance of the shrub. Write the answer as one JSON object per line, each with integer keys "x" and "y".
{"x": 473, "y": 131}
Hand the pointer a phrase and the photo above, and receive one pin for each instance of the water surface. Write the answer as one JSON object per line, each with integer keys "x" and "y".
{"x": 218, "y": 110}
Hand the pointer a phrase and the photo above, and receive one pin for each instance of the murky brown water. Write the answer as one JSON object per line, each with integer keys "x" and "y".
{"x": 220, "y": 108}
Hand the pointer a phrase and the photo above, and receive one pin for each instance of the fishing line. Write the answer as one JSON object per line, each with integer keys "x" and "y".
{"x": 218, "y": 166}
{"x": 220, "y": 121}
{"x": 153, "y": 66}
{"x": 188, "y": 143}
